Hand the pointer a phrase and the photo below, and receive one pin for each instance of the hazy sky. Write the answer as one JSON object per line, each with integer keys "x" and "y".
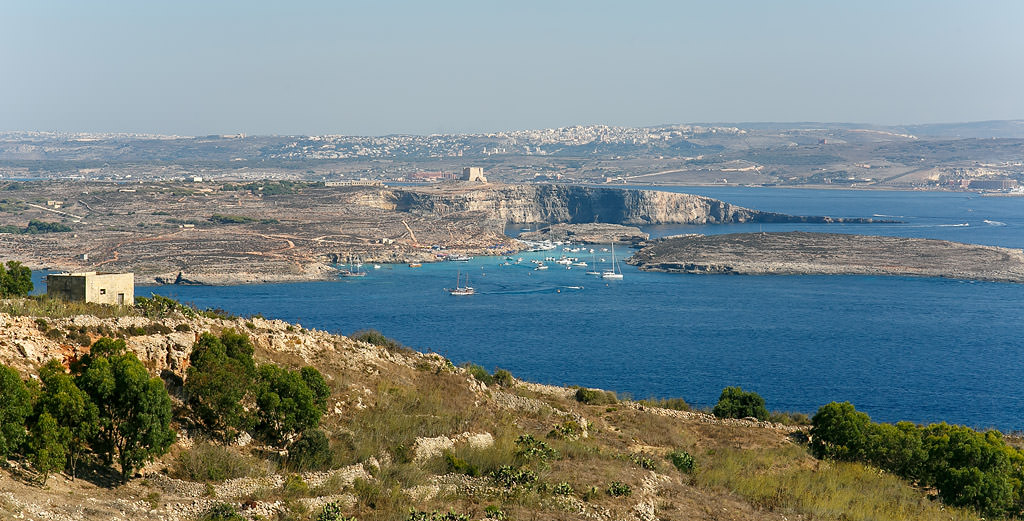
{"x": 379, "y": 67}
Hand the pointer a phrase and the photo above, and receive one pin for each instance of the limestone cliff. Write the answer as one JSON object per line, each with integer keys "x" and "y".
{"x": 584, "y": 204}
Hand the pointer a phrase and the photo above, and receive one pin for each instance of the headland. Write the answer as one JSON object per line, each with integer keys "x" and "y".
{"x": 805, "y": 253}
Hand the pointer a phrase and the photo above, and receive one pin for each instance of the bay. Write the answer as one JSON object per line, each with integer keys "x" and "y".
{"x": 899, "y": 348}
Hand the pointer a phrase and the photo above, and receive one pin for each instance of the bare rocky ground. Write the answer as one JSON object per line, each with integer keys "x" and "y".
{"x": 805, "y": 253}
{"x": 163, "y": 231}
{"x": 189, "y": 233}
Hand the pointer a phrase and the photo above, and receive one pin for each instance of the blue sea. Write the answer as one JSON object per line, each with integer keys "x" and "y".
{"x": 923, "y": 350}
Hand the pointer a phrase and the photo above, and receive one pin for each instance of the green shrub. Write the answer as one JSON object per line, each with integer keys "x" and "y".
{"x": 840, "y": 432}
{"x": 478, "y": 372}
{"x": 372, "y": 336}
{"x": 643, "y": 461}
{"x": 510, "y": 477}
{"x": 156, "y": 328}
{"x": 618, "y": 489}
{"x": 562, "y": 489}
{"x": 595, "y": 396}
{"x": 42, "y": 324}
{"x": 567, "y": 430}
{"x": 294, "y": 486}
{"x": 530, "y": 448}
{"x": 734, "y": 402}
{"x": 181, "y": 328}
{"x": 966, "y": 467}
{"x": 311, "y": 452}
{"x": 415, "y": 515}
{"x": 222, "y": 512}
{"x": 495, "y": 512}
{"x": 683, "y": 461}
{"x": 332, "y": 512}
{"x": 460, "y": 465}
{"x": 504, "y": 378}
{"x": 55, "y": 334}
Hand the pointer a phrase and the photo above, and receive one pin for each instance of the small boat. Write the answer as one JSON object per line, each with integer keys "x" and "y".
{"x": 415, "y": 264}
{"x": 460, "y": 258}
{"x": 458, "y": 290}
{"x": 376, "y": 266}
{"x": 580, "y": 263}
{"x": 353, "y": 269}
{"x": 540, "y": 267}
{"x": 614, "y": 273}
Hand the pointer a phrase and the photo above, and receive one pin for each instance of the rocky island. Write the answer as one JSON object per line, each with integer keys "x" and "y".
{"x": 805, "y": 253}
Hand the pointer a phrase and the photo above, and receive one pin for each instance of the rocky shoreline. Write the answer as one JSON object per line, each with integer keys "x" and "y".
{"x": 588, "y": 233}
{"x": 805, "y": 253}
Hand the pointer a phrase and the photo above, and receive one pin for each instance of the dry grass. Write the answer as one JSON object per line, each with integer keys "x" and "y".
{"x": 43, "y": 306}
{"x": 787, "y": 479}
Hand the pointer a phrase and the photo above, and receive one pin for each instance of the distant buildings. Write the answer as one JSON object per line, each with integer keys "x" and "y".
{"x": 992, "y": 184}
{"x": 91, "y": 286}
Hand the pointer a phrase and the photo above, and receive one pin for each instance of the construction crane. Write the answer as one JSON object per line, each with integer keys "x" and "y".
{"x": 413, "y": 235}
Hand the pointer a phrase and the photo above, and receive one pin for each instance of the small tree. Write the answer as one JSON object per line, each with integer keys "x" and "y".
{"x": 219, "y": 379}
{"x": 734, "y": 402}
{"x": 75, "y": 416}
{"x": 15, "y": 280}
{"x": 46, "y": 446}
{"x": 838, "y": 431}
{"x": 285, "y": 402}
{"x": 134, "y": 410}
{"x": 15, "y": 407}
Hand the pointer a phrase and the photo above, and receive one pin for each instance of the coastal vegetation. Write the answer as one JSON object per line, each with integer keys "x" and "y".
{"x": 737, "y": 403}
{"x": 15, "y": 280}
{"x": 376, "y": 429}
{"x": 966, "y": 467}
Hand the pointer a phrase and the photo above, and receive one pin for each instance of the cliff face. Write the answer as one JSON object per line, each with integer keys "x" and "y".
{"x": 584, "y": 204}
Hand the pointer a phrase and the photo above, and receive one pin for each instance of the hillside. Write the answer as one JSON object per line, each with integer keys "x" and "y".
{"x": 409, "y": 430}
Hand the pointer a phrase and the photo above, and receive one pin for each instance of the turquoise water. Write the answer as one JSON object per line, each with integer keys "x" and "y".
{"x": 898, "y": 348}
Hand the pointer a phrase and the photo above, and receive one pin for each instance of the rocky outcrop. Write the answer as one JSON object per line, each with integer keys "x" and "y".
{"x": 588, "y": 233}
{"x": 803, "y": 253}
{"x": 585, "y": 204}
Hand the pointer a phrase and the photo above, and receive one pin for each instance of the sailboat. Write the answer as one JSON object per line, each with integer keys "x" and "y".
{"x": 593, "y": 271}
{"x": 461, "y": 290}
{"x": 615, "y": 272}
{"x": 353, "y": 270}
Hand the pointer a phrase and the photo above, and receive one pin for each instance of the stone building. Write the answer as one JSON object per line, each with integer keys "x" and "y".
{"x": 91, "y": 286}
{"x": 473, "y": 173}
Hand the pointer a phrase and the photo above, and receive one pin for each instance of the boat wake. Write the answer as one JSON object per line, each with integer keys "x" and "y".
{"x": 994, "y": 223}
{"x": 961, "y": 225}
